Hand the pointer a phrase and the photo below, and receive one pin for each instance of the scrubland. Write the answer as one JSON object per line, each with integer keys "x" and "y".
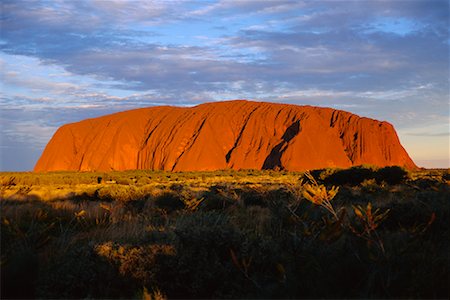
{"x": 356, "y": 233}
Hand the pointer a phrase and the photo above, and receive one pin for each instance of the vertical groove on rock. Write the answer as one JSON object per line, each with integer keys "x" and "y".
{"x": 192, "y": 141}
{"x": 239, "y": 137}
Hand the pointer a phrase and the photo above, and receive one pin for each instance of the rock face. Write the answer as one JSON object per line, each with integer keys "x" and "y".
{"x": 224, "y": 135}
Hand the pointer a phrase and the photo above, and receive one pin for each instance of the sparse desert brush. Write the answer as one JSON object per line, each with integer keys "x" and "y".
{"x": 368, "y": 222}
{"x": 446, "y": 175}
{"x": 253, "y": 197}
{"x": 118, "y": 192}
{"x": 124, "y": 181}
{"x": 370, "y": 186}
{"x": 143, "y": 181}
{"x": 138, "y": 262}
{"x": 204, "y": 239}
{"x": 319, "y": 174}
{"x": 256, "y": 238}
{"x": 255, "y": 219}
{"x": 193, "y": 203}
{"x": 7, "y": 181}
{"x": 218, "y": 197}
{"x": 369, "y": 182}
{"x": 27, "y": 228}
{"x": 318, "y": 194}
{"x": 79, "y": 272}
{"x": 169, "y": 201}
{"x": 154, "y": 294}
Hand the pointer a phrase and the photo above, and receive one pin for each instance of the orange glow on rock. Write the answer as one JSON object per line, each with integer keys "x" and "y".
{"x": 224, "y": 135}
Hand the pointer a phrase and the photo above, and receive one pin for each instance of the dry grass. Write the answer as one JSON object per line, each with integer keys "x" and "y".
{"x": 249, "y": 234}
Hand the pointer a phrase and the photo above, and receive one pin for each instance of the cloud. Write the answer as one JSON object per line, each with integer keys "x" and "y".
{"x": 323, "y": 44}
{"x": 246, "y": 7}
{"x": 63, "y": 61}
{"x": 432, "y": 134}
{"x": 30, "y": 132}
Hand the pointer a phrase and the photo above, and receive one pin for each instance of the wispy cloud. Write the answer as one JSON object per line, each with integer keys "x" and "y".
{"x": 425, "y": 134}
{"x": 30, "y": 132}
{"x": 77, "y": 59}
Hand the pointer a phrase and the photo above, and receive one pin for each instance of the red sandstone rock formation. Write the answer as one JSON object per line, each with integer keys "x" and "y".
{"x": 224, "y": 135}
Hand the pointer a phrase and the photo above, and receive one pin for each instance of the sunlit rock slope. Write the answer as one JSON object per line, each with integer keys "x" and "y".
{"x": 224, "y": 135}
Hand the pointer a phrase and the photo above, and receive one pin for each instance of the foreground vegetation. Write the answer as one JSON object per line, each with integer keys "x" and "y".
{"x": 355, "y": 233}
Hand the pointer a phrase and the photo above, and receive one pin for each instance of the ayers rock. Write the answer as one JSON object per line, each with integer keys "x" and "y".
{"x": 224, "y": 135}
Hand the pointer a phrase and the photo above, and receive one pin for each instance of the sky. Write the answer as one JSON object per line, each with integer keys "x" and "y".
{"x": 65, "y": 61}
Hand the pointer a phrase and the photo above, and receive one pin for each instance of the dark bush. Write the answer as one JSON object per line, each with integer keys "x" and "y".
{"x": 425, "y": 183}
{"x": 79, "y": 272}
{"x": 169, "y": 201}
{"x": 217, "y": 198}
{"x": 176, "y": 187}
{"x": 253, "y": 198}
{"x": 352, "y": 176}
{"x": 316, "y": 174}
{"x": 19, "y": 274}
{"x": 446, "y": 175}
{"x": 203, "y": 248}
{"x": 140, "y": 262}
{"x": 392, "y": 175}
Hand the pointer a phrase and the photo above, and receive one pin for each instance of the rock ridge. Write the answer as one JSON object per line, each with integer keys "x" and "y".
{"x": 236, "y": 134}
